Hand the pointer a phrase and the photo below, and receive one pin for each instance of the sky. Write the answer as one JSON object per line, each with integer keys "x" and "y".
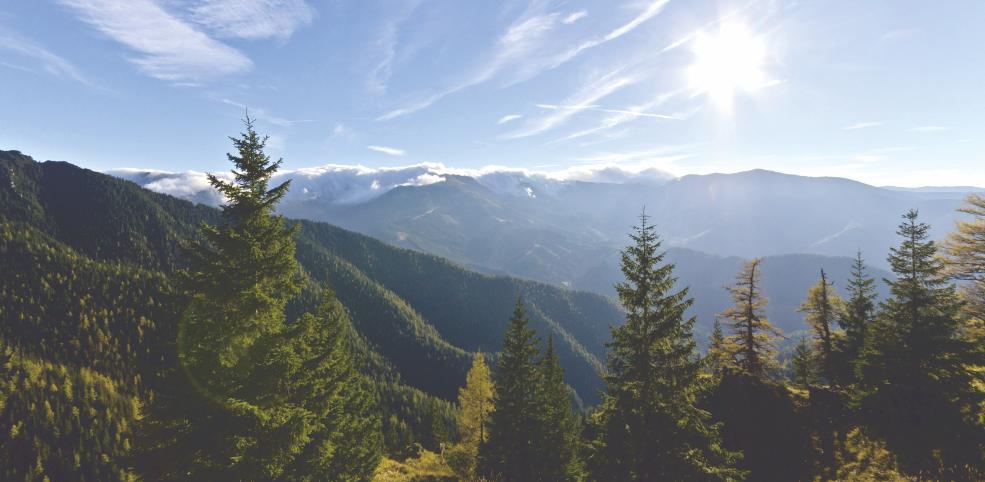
{"x": 885, "y": 92}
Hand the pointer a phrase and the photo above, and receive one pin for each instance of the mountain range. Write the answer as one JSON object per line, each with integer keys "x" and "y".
{"x": 568, "y": 229}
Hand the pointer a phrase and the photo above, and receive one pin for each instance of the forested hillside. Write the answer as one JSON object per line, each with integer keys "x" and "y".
{"x": 87, "y": 292}
{"x": 146, "y": 336}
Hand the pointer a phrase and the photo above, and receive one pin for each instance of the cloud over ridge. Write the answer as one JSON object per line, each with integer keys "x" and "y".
{"x": 353, "y": 184}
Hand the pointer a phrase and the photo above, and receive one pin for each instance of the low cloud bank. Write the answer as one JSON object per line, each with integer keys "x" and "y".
{"x": 354, "y": 184}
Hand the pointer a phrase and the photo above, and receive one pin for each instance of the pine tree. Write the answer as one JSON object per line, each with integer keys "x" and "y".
{"x": 751, "y": 343}
{"x": 558, "y": 458}
{"x": 258, "y": 398}
{"x": 965, "y": 249}
{"x": 511, "y": 449}
{"x": 718, "y": 356}
{"x": 475, "y": 405}
{"x": 856, "y": 318}
{"x": 822, "y": 307}
{"x": 918, "y": 372}
{"x": 803, "y": 372}
{"x": 650, "y": 427}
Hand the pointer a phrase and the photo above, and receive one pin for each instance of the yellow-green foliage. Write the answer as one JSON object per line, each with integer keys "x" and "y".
{"x": 865, "y": 459}
{"x": 428, "y": 467}
{"x": 70, "y": 423}
{"x": 475, "y": 400}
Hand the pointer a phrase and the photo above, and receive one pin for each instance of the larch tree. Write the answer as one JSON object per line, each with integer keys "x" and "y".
{"x": 919, "y": 375}
{"x": 649, "y": 423}
{"x": 821, "y": 309}
{"x": 475, "y": 405}
{"x": 751, "y": 343}
{"x": 256, "y": 397}
{"x": 511, "y": 450}
{"x": 965, "y": 250}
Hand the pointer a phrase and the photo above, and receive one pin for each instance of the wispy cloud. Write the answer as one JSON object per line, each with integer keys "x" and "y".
{"x": 50, "y": 62}
{"x": 574, "y": 17}
{"x": 263, "y": 115}
{"x": 515, "y": 48}
{"x": 251, "y": 19}
{"x": 861, "y": 125}
{"x": 671, "y": 151}
{"x": 519, "y": 39}
{"x": 508, "y": 118}
{"x": 167, "y": 47}
{"x": 584, "y": 99}
{"x": 390, "y": 151}
{"x": 622, "y": 116}
{"x": 928, "y": 129}
{"x": 379, "y": 75}
{"x": 680, "y": 41}
{"x": 652, "y": 10}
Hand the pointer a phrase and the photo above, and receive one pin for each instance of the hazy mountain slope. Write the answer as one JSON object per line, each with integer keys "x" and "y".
{"x": 549, "y": 235}
{"x": 510, "y": 220}
{"x": 423, "y": 314}
{"x": 542, "y": 237}
{"x": 570, "y": 232}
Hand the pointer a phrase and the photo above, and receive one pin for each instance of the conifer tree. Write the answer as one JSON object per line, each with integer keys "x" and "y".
{"x": 803, "y": 364}
{"x": 965, "y": 249}
{"x": 511, "y": 449}
{"x": 856, "y": 318}
{"x": 258, "y": 398}
{"x": 475, "y": 405}
{"x": 558, "y": 458}
{"x": 751, "y": 343}
{"x": 718, "y": 356}
{"x": 650, "y": 427}
{"x": 821, "y": 308}
{"x": 918, "y": 373}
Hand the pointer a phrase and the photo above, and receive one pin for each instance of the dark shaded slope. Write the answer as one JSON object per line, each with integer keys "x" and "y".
{"x": 422, "y": 313}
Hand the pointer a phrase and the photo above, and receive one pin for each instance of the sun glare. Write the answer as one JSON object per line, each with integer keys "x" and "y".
{"x": 727, "y": 62}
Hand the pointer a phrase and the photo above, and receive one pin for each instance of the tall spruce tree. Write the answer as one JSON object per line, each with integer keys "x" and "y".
{"x": 511, "y": 450}
{"x": 475, "y": 406}
{"x": 751, "y": 343}
{"x": 856, "y": 318}
{"x": 558, "y": 445}
{"x": 918, "y": 387}
{"x": 650, "y": 427}
{"x": 821, "y": 310}
{"x": 257, "y": 398}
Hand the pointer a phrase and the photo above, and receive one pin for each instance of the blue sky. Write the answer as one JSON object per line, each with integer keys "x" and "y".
{"x": 889, "y": 92}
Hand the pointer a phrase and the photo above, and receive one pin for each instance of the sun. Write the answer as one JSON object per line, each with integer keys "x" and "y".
{"x": 729, "y": 61}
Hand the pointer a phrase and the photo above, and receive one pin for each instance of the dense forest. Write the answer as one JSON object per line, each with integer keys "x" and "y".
{"x": 146, "y": 338}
